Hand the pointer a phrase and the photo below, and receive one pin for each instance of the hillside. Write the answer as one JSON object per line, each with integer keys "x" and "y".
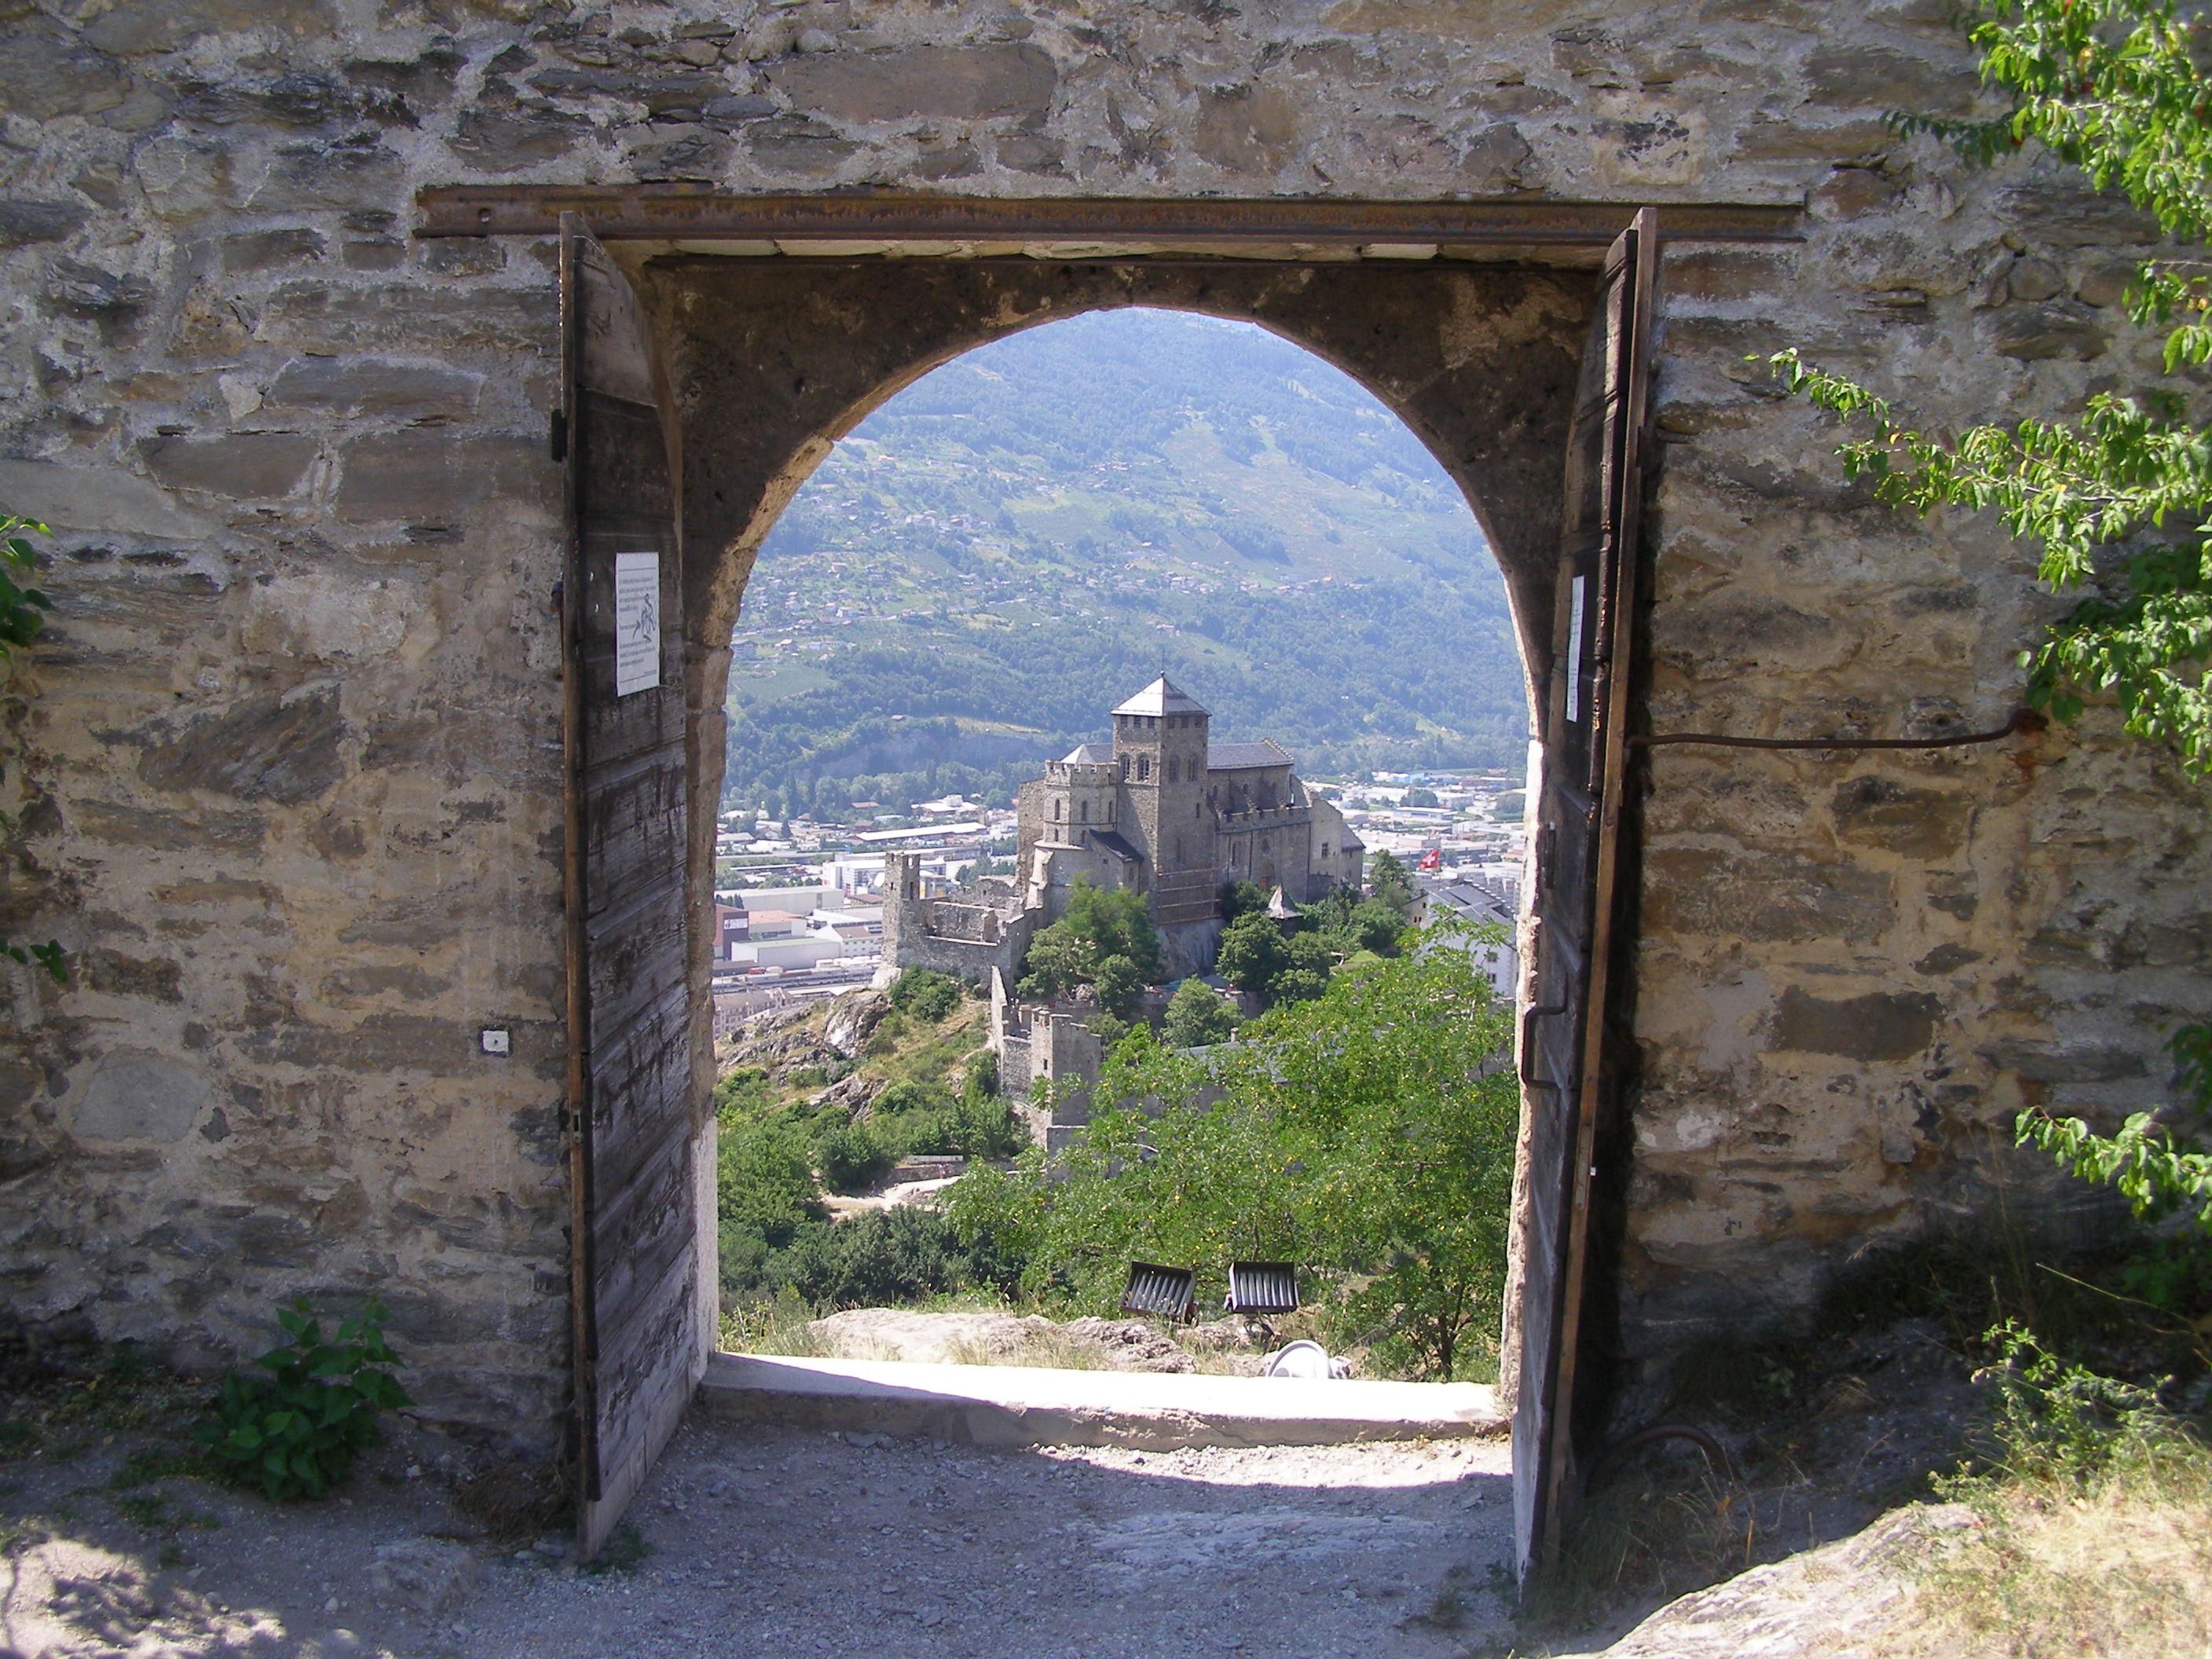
{"x": 1013, "y": 544}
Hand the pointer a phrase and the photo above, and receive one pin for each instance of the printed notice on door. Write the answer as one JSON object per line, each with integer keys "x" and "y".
{"x": 637, "y": 622}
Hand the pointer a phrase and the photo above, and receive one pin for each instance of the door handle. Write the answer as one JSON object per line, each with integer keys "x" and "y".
{"x": 1528, "y": 1018}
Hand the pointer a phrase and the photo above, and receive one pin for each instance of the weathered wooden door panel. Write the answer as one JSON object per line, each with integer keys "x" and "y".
{"x": 634, "y": 1232}
{"x": 1563, "y": 1049}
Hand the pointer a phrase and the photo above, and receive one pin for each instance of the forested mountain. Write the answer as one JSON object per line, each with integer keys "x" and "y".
{"x": 1011, "y": 546}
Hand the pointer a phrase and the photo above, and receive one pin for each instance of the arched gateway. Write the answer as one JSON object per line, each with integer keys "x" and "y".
{"x": 313, "y": 773}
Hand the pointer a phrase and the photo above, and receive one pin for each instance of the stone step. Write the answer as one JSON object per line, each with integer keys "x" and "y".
{"x": 1028, "y": 1406}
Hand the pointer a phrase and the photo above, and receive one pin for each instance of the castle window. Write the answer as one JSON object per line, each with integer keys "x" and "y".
{"x": 1324, "y": 849}
{"x": 1086, "y": 812}
{"x": 1055, "y": 812}
{"x": 1143, "y": 767}
{"x": 1195, "y": 809}
{"x": 1178, "y": 849}
{"x": 1174, "y": 770}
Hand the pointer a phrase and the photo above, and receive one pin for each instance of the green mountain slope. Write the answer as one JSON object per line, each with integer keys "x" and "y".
{"x": 1015, "y": 542}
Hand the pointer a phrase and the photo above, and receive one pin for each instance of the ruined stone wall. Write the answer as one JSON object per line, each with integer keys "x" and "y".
{"x": 286, "y": 772}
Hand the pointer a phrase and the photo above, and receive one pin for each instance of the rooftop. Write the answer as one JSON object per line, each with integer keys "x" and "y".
{"x": 1089, "y": 754}
{"x": 1160, "y": 697}
{"x": 1236, "y": 756}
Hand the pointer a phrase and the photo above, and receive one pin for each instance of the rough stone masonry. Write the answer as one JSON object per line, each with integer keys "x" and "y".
{"x": 285, "y": 773}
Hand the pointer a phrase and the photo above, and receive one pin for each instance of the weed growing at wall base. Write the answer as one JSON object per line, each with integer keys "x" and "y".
{"x": 295, "y": 1433}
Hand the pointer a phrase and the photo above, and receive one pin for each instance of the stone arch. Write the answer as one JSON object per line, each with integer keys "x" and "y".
{"x": 772, "y": 360}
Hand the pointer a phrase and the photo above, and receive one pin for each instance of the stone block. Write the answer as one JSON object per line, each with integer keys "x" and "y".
{"x": 274, "y": 747}
{"x": 1249, "y": 129}
{"x": 113, "y": 974}
{"x": 431, "y": 475}
{"x": 1861, "y": 75}
{"x": 508, "y": 140}
{"x": 152, "y": 25}
{"x": 112, "y": 300}
{"x": 961, "y": 83}
{"x": 1771, "y": 897}
{"x": 23, "y": 220}
{"x": 1882, "y": 1025}
{"x": 326, "y": 178}
{"x": 135, "y": 1094}
{"x": 247, "y": 466}
{"x": 2040, "y": 1061}
{"x": 799, "y": 144}
{"x": 2035, "y": 334}
{"x": 264, "y": 250}
{"x": 46, "y": 71}
{"x": 102, "y": 499}
{"x": 114, "y": 825}
{"x": 374, "y": 385}
{"x": 1901, "y": 817}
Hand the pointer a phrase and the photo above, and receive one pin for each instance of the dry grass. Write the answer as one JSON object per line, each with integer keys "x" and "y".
{"x": 2121, "y": 1568}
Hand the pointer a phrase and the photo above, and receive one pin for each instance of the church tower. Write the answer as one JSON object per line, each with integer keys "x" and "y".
{"x": 1159, "y": 746}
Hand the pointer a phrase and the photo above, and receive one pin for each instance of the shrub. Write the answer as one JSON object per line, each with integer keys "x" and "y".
{"x": 854, "y": 1158}
{"x": 887, "y": 1257}
{"x": 294, "y": 1432}
{"x": 925, "y": 995}
{"x": 1197, "y": 1018}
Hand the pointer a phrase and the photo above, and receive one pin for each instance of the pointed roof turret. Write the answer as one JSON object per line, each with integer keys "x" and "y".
{"x": 1160, "y": 697}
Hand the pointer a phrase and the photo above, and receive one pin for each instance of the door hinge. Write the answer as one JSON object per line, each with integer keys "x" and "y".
{"x": 560, "y": 435}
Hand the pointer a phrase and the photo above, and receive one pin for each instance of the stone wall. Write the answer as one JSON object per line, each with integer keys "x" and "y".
{"x": 286, "y": 771}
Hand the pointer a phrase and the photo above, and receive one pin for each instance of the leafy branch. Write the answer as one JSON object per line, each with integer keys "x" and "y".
{"x": 23, "y": 614}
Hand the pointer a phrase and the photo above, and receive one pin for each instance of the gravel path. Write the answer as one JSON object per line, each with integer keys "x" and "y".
{"x": 776, "y": 1541}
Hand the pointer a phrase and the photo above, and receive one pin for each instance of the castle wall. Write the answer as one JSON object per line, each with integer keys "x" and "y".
{"x": 286, "y": 768}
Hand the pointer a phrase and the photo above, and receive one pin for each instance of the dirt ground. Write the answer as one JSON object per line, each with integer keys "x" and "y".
{"x": 771, "y": 1541}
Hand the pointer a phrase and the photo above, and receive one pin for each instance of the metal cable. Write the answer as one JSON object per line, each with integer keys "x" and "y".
{"x": 2023, "y": 721}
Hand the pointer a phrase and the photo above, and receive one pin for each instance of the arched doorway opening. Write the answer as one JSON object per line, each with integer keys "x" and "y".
{"x": 1521, "y": 378}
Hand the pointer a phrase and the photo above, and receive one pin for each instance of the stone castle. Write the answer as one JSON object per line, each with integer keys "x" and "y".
{"x": 1163, "y": 809}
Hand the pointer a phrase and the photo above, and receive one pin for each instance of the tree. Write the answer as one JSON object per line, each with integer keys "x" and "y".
{"x": 2114, "y": 501}
{"x": 1251, "y": 952}
{"x": 1367, "y": 1135}
{"x": 1240, "y": 898}
{"x": 23, "y": 614}
{"x": 1388, "y": 884}
{"x": 1118, "y": 987}
{"x": 1305, "y": 970}
{"x": 1058, "y": 961}
{"x": 1419, "y": 797}
{"x": 1098, "y": 923}
{"x": 1196, "y": 1016}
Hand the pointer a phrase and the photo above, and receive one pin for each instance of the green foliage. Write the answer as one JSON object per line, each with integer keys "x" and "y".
{"x": 1099, "y": 924}
{"x": 1240, "y": 898}
{"x": 295, "y": 1431}
{"x": 925, "y": 995}
{"x": 1251, "y": 953}
{"x": 1388, "y": 884}
{"x": 2111, "y": 85}
{"x": 1367, "y": 1134}
{"x": 23, "y": 614}
{"x": 2152, "y": 1173}
{"x": 882, "y": 1258}
{"x": 1196, "y": 1016}
{"x": 1349, "y": 924}
{"x": 855, "y": 1156}
{"x": 1120, "y": 988}
{"x": 2061, "y": 1421}
{"x": 1421, "y": 798}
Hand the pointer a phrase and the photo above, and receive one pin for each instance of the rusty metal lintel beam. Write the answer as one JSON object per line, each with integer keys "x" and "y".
{"x": 687, "y": 213}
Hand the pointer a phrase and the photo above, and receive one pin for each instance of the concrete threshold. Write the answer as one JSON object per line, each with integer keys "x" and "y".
{"x": 1146, "y": 1411}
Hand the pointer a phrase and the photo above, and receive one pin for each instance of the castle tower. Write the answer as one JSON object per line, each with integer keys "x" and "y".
{"x": 1159, "y": 746}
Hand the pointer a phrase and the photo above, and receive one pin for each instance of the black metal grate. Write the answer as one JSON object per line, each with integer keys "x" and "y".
{"x": 1261, "y": 1287}
{"x": 1164, "y": 1292}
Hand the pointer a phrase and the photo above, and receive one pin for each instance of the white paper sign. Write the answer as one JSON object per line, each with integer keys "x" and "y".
{"x": 637, "y": 622}
{"x": 1574, "y": 651}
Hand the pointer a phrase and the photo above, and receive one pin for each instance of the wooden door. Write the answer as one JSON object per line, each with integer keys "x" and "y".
{"x": 634, "y": 1239}
{"x": 1563, "y": 1054}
